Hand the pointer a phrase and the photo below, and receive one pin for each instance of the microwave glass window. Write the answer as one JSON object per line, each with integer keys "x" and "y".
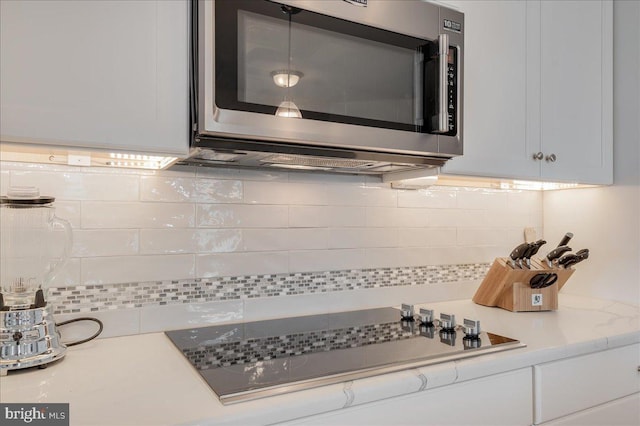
{"x": 334, "y": 74}
{"x": 331, "y": 69}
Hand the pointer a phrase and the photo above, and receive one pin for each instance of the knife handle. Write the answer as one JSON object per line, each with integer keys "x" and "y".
{"x": 568, "y": 259}
{"x": 535, "y": 247}
{"x": 557, "y": 252}
{"x": 565, "y": 240}
{"x": 518, "y": 252}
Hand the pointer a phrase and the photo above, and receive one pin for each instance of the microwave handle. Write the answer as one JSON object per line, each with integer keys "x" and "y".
{"x": 443, "y": 57}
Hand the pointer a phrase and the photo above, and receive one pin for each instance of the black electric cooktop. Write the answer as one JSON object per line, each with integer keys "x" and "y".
{"x": 256, "y": 359}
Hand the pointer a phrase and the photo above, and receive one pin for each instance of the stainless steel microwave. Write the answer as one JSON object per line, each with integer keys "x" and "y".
{"x": 357, "y": 86}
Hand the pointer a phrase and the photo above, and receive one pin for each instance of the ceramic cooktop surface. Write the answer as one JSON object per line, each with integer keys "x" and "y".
{"x": 256, "y": 359}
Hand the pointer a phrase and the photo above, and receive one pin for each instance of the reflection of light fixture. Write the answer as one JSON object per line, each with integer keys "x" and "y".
{"x": 290, "y": 78}
{"x": 284, "y": 78}
{"x": 288, "y": 109}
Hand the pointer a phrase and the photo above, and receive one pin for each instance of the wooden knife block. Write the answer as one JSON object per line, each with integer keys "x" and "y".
{"x": 508, "y": 287}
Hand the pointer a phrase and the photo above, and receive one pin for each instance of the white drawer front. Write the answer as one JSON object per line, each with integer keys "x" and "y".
{"x": 575, "y": 384}
{"x": 621, "y": 412}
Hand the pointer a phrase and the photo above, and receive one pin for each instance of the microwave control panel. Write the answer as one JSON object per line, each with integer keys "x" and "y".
{"x": 452, "y": 91}
{"x": 432, "y": 93}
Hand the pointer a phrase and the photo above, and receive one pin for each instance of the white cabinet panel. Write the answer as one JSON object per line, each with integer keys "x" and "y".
{"x": 503, "y": 399}
{"x": 574, "y": 384}
{"x": 538, "y": 79}
{"x": 95, "y": 74}
{"x": 576, "y": 90}
{"x": 621, "y": 412}
{"x": 495, "y": 133}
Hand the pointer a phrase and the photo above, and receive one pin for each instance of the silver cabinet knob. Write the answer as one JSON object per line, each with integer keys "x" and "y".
{"x": 538, "y": 156}
{"x": 551, "y": 158}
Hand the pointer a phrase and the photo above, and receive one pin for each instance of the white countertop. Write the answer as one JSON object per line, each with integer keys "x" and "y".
{"x": 145, "y": 380}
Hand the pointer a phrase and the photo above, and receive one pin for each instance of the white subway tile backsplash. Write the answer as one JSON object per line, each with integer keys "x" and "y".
{"x": 481, "y": 236}
{"x": 122, "y": 269}
{"x": 411, "y": 217}
{"x": 306, "y": 239}
{"x": 266, "y": 239}
{"x": 381, "y": 217}
{"x": 234, "y": 264}
{"x": 361, "y": 195}
{"x": 69, "y": 275}
{"x": 178, "y": 316}
{"x": 479, "y": 198}
{"x": 168, "y": 241}
{"x": 308, "y": 216}
{"x": 191, "y": 240}
{"x": 104, "y": 242}
{"x": 188, "y": 222}
{"x": 121, "y": 322}
{"x": 525, "y": 202}
{"x": 321, "y": 260}
{"x": 347, "y": 238}
{"x": 77, "y": 185}
{"x": 185, "y": 189}
{"x": 5, "y": 181}
{"x": 382, "y": 257}
{"x": 241, "y": 216}
{"x": 443, "y": 217}
{"x": 218, "y": 191}
{"x": 428, "y": 198}
{"x": 471, "y": 254}
{"x": 166, "y": 188}
{"x": 69, "y": 211}
{"x": 218, "y": 240}
{"x": 285, "y": 193}
{"x": 345, "y": 216}
{"x": 137, "y": 215}
{"x": 427, "y": 237}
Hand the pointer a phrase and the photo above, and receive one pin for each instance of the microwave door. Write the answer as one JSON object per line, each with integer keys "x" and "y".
{"x": 355, "y": 85}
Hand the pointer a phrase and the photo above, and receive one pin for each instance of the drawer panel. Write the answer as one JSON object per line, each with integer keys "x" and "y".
{"x": 574, "y": 384}
{"x": 621, "y": 412}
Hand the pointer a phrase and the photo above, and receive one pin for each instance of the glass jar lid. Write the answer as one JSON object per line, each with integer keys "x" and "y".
{"x": 25, "y": 195}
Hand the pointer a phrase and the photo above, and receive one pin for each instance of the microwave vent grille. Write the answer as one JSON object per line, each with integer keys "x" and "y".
{"x": 301, "y": 160}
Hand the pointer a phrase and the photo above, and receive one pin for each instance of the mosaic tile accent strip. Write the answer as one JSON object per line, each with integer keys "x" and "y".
{"x": 103, "y": 297}
{"x": 273, "y": 347}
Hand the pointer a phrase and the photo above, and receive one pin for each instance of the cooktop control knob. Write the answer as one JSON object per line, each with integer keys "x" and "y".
{"x": 471, "y": 328}
{"x": 447, "y": 321}
{"x": 407, "y": 312}
{"x": 426, "y": 316}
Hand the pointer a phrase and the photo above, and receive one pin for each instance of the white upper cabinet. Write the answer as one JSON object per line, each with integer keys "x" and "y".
{"x": 96, "y": 74}
{"x": 495, "y": 99}
{"x": 576, "y": 90}
{"x": 538, "y": 91}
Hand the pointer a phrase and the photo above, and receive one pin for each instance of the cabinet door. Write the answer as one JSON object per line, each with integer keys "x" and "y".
{"x": 95, "y": 74}
{"x": 621, "y": 412}
{"x": 575, "y": 384}
{"x": 497, "y": 141}
{"x": 577, "y": 90}
{"x": 503, "y": 399}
